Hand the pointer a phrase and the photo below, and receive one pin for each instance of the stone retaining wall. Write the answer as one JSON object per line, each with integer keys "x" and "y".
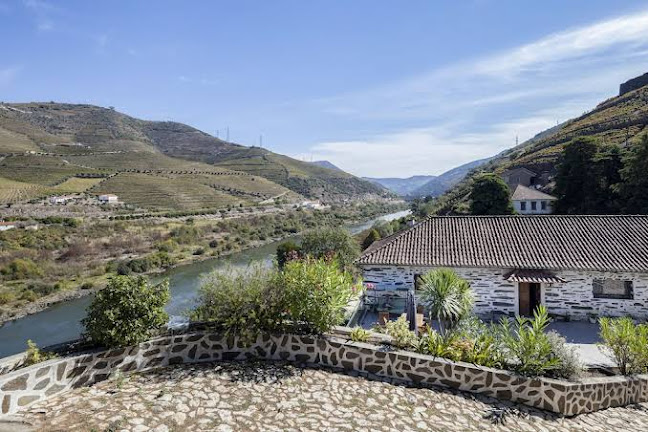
{"x": 21, "y": 388}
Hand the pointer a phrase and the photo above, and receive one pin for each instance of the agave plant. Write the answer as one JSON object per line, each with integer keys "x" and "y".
{"x": 447, "y": 296}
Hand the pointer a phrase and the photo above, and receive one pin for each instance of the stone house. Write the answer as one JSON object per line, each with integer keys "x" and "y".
{"x": 527, "y": 200}
{"x": 576, "y": 266}
{"x": 519, "y": 176}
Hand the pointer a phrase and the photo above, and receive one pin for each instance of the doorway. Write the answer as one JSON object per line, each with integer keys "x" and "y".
{"x": 530, "y": 297}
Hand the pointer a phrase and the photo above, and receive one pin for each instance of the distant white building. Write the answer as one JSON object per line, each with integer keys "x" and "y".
{"x": 58, "y": 200}
{"x": 312, "y": 204}
{"x": 5, "y": 226}
{"x": 108, "y": 199}
{"x": 529, "y": 201}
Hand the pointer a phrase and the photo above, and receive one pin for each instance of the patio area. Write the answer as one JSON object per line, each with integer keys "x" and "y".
{"x": 582, "y": 335}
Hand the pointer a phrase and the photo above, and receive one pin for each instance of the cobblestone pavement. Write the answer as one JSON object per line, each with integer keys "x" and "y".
{"x": 282, "y": 397}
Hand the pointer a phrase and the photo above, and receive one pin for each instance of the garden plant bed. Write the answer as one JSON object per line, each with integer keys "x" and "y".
{"x": 23, "y": 387}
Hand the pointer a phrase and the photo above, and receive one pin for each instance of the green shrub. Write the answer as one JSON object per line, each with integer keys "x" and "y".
{"x": 28, "y": 295}
{"x": 402, "y": 336}
{"x": 570, "y": 366}
{"x": 240, "y": 302}
{"x": 7, "y": 297}
{"x": 307, "y": 297}
{"x": 87, "y": 285}
{"x": 126, "y": 312}
{"x": 626, "y": 343}
{"x": 35, "y": 355}
{"x": 528, "y": 348}
{"x": 316, "y": 293}
{"x": 287, "y": 251}
{"x": 358, "y": 334}
{"x": 21, "y": 268}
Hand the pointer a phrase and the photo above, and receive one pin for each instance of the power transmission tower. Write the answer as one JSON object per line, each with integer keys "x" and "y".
{"x": 227, "y": 134}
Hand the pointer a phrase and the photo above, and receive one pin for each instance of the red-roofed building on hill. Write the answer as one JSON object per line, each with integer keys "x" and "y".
{"x": 576, "y": 266}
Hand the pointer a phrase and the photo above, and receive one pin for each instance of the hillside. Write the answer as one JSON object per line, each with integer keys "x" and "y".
{"x": 402, "y": 186}
{"x": 617, "y": 120}
{"x": 326, "y": 164}
{"x": 42, "y": 145}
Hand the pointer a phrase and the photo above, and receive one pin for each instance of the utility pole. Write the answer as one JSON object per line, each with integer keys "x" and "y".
{"x": 517, "y": 140}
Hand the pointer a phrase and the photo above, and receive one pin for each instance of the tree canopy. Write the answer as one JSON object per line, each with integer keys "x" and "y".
{"x": 490, "y": 196}
{"x": 634, "y": 189}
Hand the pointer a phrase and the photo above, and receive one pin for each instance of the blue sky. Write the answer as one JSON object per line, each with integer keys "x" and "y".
{"x": 380, "y": 88}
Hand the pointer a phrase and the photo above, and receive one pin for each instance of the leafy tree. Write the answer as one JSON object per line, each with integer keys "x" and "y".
{"x": 287, "y": 251}
{"x": 127, "y": 311}
{"x": 371, "y": 238}
{"x": 447, "y": 296}
{"x": 608, "y": 164}
{"x": 331, "y": 242}
{"x": 490, "y": 196}
{"x": 576, "y": 186}
{"x": 635, "y": 178}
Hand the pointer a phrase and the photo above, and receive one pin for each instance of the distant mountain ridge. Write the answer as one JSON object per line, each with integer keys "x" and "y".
{"x": 402, "y": 186}
{"x": 448, "y": 179}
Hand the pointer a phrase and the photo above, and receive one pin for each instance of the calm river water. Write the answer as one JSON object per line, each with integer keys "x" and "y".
{"x": 61, "y": 322}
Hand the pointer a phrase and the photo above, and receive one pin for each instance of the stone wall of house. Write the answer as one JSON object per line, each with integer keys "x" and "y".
{"x": 492, "y": 291}
{"x": 22, "y": 388}
{"x": 573, "y": 299}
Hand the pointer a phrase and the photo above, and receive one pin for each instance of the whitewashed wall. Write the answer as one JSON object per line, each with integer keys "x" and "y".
{"x": 493, "y": 293}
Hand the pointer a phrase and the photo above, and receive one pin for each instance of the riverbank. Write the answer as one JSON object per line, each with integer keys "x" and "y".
{"x": 44, "y": 303}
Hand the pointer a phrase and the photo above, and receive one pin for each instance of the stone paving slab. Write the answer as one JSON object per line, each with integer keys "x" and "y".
{"x": 283, "y": 397}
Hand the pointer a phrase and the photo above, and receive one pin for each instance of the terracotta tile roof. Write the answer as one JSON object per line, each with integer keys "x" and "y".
{"x": 526, "y": 193}
{"x": 606, "y": 243}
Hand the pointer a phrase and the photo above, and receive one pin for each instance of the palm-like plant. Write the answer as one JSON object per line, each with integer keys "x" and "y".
{"x": 447, "y": 296}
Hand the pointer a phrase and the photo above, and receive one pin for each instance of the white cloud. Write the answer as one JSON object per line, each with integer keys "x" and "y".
{"x": 8, "y": 74}
{"x": 479, "y": 106}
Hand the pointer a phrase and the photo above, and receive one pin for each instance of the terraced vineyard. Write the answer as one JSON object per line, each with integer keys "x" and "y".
{"x": 12, "y": 191}
{"x": 167, "y": 192}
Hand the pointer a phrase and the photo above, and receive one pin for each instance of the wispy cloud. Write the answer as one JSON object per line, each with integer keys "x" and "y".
{"x": 9, "y": 74}
{"x": 476, "y": 108}
{"x": 44, "y": 13}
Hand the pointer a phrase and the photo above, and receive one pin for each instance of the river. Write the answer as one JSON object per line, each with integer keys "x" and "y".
{"x": 61, "y": 322}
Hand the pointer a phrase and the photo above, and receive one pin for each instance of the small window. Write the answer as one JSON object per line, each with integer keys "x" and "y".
{"x": 522, "y": 205}
{"x": 534, "y": 205}
{"x": 543, "y": 205}
{"x": 612, "y": 288}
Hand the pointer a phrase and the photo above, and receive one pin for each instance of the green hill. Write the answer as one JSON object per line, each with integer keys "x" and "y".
{"x": 42, "y": 145}
{"x": 617, "y": 120}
